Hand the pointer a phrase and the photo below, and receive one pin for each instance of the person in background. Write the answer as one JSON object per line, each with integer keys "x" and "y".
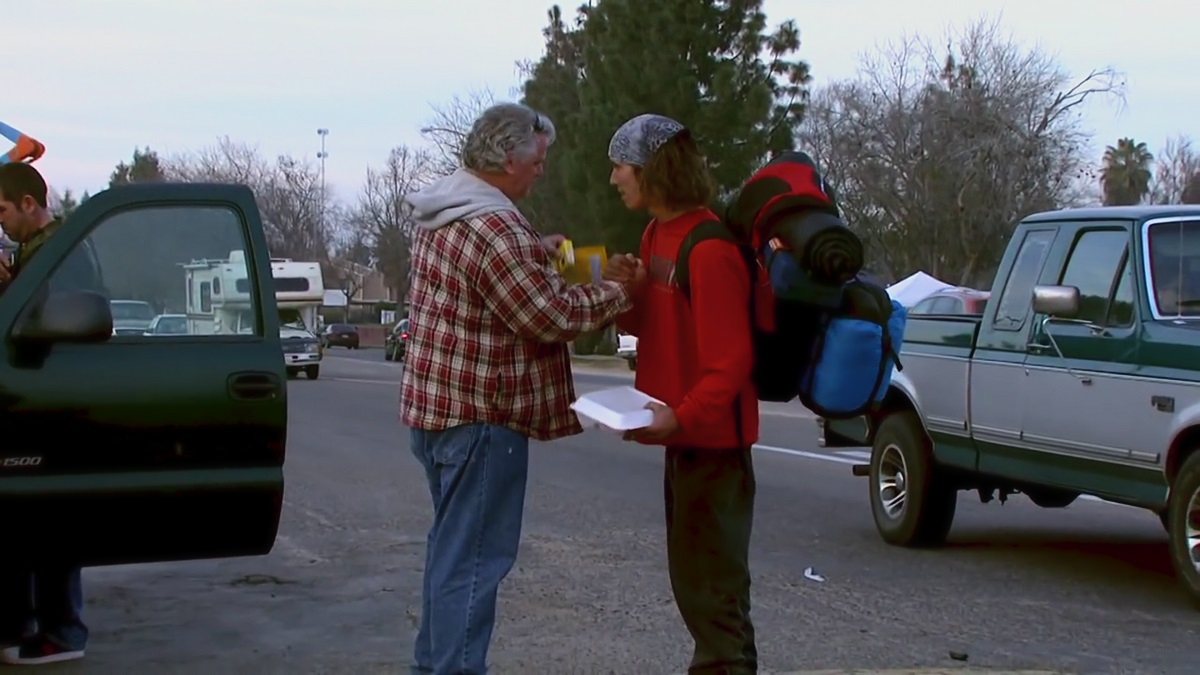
{"x": 487, "y": 368}
{"x": 696, "y": 357}
{"x": 40, "y": 609}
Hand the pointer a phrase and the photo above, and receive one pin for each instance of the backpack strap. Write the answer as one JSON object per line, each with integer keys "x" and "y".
{"x": 708, "y": 229}
{"x": 703, "y": 231}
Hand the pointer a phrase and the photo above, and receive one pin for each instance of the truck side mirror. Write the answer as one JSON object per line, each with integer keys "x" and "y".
{"x": 1057, "y": 301}
{"x": 68, "y": 316}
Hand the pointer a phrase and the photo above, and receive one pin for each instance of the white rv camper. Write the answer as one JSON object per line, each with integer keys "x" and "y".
{"x": 218, "y": 302}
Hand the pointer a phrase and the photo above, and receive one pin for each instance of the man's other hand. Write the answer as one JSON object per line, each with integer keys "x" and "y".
{"x": 663, "y": 424}
{"x": 551, "y": 242}
{"x": 624, "y": 269}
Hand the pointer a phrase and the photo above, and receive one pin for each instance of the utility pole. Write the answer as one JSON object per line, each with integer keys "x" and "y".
{"x": 322, "y": 155}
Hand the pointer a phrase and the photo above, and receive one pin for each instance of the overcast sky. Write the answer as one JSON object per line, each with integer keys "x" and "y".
{"x": 105, "y": 76}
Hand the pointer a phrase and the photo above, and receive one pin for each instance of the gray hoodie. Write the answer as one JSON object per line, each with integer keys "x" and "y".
{"x": 458, "y": 196}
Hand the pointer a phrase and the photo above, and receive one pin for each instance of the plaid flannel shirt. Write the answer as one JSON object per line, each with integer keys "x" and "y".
{"x": 489, "y": 320}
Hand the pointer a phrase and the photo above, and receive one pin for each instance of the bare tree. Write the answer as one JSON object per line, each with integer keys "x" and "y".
{"x": 1176, "y": 167}
{"x": 298, "y": 218}
{"x": 449, "y": 126}
{"x": 384, "y": 218}
{"x": 936, "y": 152}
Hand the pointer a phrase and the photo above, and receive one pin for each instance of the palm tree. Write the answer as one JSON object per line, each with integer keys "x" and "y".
{"x": 1125, "y": 175}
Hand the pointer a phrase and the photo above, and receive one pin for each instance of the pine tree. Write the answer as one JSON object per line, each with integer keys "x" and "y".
{"x": 710, "y": 64}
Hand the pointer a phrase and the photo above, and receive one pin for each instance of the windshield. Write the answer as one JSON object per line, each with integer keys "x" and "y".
{"x": 290, "y": 318}
{"x": 172, "y": 325}
{"x": 1175, "y": 268}
{"x": 130, "y": 310}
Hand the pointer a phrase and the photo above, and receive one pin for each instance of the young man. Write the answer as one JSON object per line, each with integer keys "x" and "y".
{"x": 55, "y": 591}
{"x": 487, "y": 368}
{"x": 696, "y": 357}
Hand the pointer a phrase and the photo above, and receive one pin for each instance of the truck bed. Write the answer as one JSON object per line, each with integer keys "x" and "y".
{"x": 926, "y": 338}
{"x": 943, "y": 333}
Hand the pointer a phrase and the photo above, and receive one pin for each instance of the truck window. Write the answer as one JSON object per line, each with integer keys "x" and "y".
{"x": 1097, "y": 265}
{"x": 1174, "y": 274}
{"x": 946, "y": 305}
{"x": 924, "y": 307}
{"x": 142, "y": 254}
{"x": 1017, "y": 297}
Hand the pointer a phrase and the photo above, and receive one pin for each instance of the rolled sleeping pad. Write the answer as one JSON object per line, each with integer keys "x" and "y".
{"x": 821, "y": 243}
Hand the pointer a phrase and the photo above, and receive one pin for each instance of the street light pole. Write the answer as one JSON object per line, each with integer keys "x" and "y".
{"x": 322, "y": 155}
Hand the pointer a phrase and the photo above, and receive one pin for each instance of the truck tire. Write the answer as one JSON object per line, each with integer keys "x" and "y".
{"x": 313, "y": 372}
{"x": 911, "y": 501}
{"x": 387, "y": 354}
{"x": 1184, "y": 527}
{"x": 632, "y": 362}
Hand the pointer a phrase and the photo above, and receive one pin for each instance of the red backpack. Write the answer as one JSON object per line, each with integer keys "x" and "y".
{"x": 800, "y": 256}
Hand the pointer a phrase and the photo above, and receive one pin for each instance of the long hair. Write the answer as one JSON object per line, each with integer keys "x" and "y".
{"x": 676, "y": 176}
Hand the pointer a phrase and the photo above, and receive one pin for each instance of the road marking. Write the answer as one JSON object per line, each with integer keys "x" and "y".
{"x": 853, "y": 457}
{"x": 390, "y": 383}
{"x": 824, "y": 457}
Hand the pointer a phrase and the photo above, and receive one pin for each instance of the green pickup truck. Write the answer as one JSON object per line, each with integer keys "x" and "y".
{"x": 127, "y": 448}
{"x": 1081, "y": 377}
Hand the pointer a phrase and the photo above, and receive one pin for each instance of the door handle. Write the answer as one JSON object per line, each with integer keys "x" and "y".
{"x": 1037, "y": 347}
{"x": 254, "y": 386}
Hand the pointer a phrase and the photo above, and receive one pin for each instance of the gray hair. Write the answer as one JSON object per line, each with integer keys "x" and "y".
{"x": 502, "y": 129}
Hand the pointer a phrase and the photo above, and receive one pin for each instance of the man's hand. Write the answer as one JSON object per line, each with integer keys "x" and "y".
{"x": 626, "y": 270}
{"x": 5, "y": 270}
{"x": 551, "y": 242}
{"x": 662, "y": 425}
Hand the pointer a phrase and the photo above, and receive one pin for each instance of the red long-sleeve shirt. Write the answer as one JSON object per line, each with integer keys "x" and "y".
{"x": 696, "y": 357}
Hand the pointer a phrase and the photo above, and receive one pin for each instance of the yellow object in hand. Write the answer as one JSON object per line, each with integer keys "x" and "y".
{"x": 581, "y": 265}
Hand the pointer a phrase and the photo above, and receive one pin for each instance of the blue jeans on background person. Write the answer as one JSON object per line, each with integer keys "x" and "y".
{"x": 477, "y": 475}
{"x": 48, "y": 600}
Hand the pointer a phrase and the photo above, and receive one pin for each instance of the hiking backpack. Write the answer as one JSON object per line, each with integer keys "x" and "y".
{"x": 819, "y": 332}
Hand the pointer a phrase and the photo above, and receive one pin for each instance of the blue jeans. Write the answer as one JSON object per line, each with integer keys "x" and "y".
{"x": 477, "y": 475}
{"x": 47, "y": 600}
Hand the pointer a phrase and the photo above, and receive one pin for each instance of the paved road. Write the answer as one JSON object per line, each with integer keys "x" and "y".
{"x": 1083, "y": 589}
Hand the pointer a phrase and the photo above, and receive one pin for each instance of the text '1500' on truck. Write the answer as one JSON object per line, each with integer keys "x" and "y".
{"x": 1081, "y": 377}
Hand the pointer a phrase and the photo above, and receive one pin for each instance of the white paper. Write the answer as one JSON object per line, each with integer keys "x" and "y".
{"x": 619, "y": 408}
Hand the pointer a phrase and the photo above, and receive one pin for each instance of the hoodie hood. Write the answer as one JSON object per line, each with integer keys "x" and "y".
{"x": 459, "y": 196}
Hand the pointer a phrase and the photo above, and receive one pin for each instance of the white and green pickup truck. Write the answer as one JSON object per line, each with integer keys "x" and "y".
{"x": 1081, "y": 377}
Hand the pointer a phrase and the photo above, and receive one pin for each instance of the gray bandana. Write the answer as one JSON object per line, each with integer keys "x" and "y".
{"x": 638, "y": 138}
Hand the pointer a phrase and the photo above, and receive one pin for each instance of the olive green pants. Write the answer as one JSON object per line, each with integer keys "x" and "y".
{"x": 710, "y": 512}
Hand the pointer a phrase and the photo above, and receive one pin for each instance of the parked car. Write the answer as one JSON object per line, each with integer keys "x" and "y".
{"x": 131, "y": 317}
{"x": 1081, "y": 377}
{"x": 301, "y": 349}
{"x": 184, "y": 459}
{"x": 340, "y": 335}
{"x": 168, "y": 324}
{"x": 953, "y": 301}
{"x": 396, "y": 343}
{"x": 627, "y": 349}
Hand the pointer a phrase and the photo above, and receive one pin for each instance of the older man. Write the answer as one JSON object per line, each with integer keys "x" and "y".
{"x": 487, "y": 369}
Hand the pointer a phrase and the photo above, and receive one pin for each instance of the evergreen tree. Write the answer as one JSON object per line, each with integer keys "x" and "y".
{"x": 710, "y": 64}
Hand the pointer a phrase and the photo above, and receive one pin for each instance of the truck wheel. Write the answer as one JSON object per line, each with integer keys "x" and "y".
{"x": 632, "y": 363}
{"x": 1184, "y": 527}
{"x": 312, "y": 372}
{"x": 293, "y": 372}
{"x": 388, "y": 354}
{"x": 911, "y": 501}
